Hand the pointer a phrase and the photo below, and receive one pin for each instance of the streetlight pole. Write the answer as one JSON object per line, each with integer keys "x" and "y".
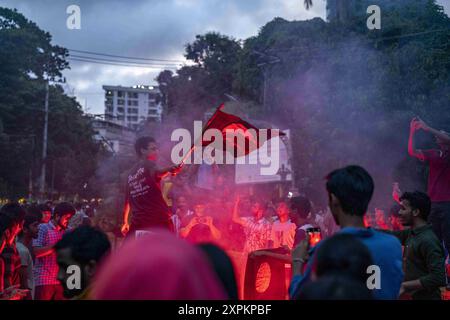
{"x": 44, "y": 141}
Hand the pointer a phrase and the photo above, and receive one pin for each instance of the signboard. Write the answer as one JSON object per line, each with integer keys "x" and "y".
{"x": 251, "y": 173}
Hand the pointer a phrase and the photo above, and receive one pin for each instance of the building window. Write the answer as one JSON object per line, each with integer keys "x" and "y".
{"x": 109, "y": 101}
{"x": 120, "y": 118}
{"x": 152, "y": 96}
{"x": 152, "y": 112}
{"x": 120, "y": 109}
{"x": 132, "y": 102}
{"x": 133, "y": 110}
{"x": 121, "y": 94}
{"x": 121, "y": 102}
{"x": 109, "y": 109}
{"x": 132, "y": 95}
{"x": 132, "y": 118}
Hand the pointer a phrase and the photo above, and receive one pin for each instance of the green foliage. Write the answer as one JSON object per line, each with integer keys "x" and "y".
{"x": 346, "y": 92}
{"x": 27, "y": 57}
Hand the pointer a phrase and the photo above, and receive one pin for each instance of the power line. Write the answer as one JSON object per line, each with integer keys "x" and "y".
{"x": 124, "y": 57}
{"x": 120, "y": 61}
{"x": 121, "y": 64}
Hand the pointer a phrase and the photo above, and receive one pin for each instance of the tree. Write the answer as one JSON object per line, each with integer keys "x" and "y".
{"x": 27, "y": 59}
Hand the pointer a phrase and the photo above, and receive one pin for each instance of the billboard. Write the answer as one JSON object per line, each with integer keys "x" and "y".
{"x": 251, "y": 173}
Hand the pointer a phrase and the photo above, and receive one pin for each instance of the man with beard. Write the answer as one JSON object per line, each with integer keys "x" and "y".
{"x": 84, "y": 248}
{"x": 47, "y": 286}
{"x": 423, "y": 255}
{"x": 25, "y": 249}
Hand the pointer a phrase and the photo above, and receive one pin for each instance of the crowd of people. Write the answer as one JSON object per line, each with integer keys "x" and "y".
{"x": 183, "y": 249}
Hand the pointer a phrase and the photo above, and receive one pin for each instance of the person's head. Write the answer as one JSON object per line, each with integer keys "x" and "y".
{"x": 31, "y": 226}
{"x": 257, "y": 209}
{"x": 415, "y": 207}
{"x": 157, "y": 266}
{"x": 350, "y": 190}
{"x": 83, "y": 247}
{"x": 335, "y": 287}
{"x": 46, "y": 212}
{"x": 300, "y": 210}
{"x": 34, "y": 211}
{"x": 199, "y": 208}
{"x": 282, "y": 211}
{"x": 342, "y": 254}
{"x": 182, "y": 202}
{"x": 223, "y": 267}
{"x": 64, "y": 211}
{"x": 146, "y": 148}
{"x": 6, "y": 224}
{"x": 17, "y": 214}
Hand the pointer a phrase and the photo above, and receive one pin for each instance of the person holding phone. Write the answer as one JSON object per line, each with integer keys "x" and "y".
{"x": 350, "y": 190}
{"x": 200, "y": 227}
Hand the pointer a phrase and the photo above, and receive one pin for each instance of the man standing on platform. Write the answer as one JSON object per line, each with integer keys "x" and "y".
{"x": 143, "y": 191}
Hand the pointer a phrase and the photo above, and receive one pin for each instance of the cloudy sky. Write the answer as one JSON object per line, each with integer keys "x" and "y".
{"x": 155, "y": 29}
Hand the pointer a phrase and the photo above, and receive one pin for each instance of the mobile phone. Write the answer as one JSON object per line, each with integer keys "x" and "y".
{"x": 315, "y": 236}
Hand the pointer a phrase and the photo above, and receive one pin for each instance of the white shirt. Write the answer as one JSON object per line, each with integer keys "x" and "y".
{"x": 283, "y": 234}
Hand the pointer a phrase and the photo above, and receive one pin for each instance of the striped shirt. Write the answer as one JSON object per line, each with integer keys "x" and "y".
{"x": 46, "y": 269}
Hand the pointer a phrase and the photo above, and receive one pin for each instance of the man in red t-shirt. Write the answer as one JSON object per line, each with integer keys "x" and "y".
{"x": 143, "y": 191}
{"x": 438, "y": 178}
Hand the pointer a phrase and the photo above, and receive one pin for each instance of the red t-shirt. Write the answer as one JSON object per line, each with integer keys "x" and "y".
{"x": 143, "y": 191}
{"x": 439, "y": 176}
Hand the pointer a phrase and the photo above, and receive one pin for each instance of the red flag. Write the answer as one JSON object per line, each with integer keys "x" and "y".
{"x": 243, "y": 131}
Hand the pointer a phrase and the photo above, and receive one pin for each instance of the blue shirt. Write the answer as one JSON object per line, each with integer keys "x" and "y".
{"x": 386, "y": 253}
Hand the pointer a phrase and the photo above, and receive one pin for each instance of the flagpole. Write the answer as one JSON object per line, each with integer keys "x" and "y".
{"x": 201, "y": 137}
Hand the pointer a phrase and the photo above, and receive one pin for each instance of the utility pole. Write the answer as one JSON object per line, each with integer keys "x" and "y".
{"x": 266, "y": 62}
{"x": 44, "y": 141}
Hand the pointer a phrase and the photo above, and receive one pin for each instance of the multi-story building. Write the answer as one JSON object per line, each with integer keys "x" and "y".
{"x": 130, "y": 106}
{"x": 116, "y": 138}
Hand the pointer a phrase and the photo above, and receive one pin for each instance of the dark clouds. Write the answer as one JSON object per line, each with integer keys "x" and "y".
{"x": 148, "y": 28}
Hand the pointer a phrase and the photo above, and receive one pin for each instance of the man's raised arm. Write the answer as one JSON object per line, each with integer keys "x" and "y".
{"x": 413, "y": 152}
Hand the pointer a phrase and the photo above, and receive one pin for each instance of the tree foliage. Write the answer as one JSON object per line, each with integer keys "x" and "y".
{"x": 27, "y": 60}
{"x": 346, "y": 92}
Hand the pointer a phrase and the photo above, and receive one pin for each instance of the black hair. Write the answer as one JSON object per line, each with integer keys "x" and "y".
{"x": 335, "y": 288}
{"x": 85, "y": 244}
{"x": 44, "y": 207}
{"x": 353, "y": 187}
{"x": 301, "y": 206}
{"x": 223, "y": 267}
{"x": 343, "y": 254}
{"x": 30, "y": 219}
{"x": 418, "y": 200}
{"x": 142, "y": 143}
{"x": 15, "y": 211}
{"x": 5, "y": 223}
{"x": 34, "y": 211}
{"x": 64, "y": 208}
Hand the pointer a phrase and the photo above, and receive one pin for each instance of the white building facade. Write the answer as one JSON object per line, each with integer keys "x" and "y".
{"x": 131, "y": 106}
